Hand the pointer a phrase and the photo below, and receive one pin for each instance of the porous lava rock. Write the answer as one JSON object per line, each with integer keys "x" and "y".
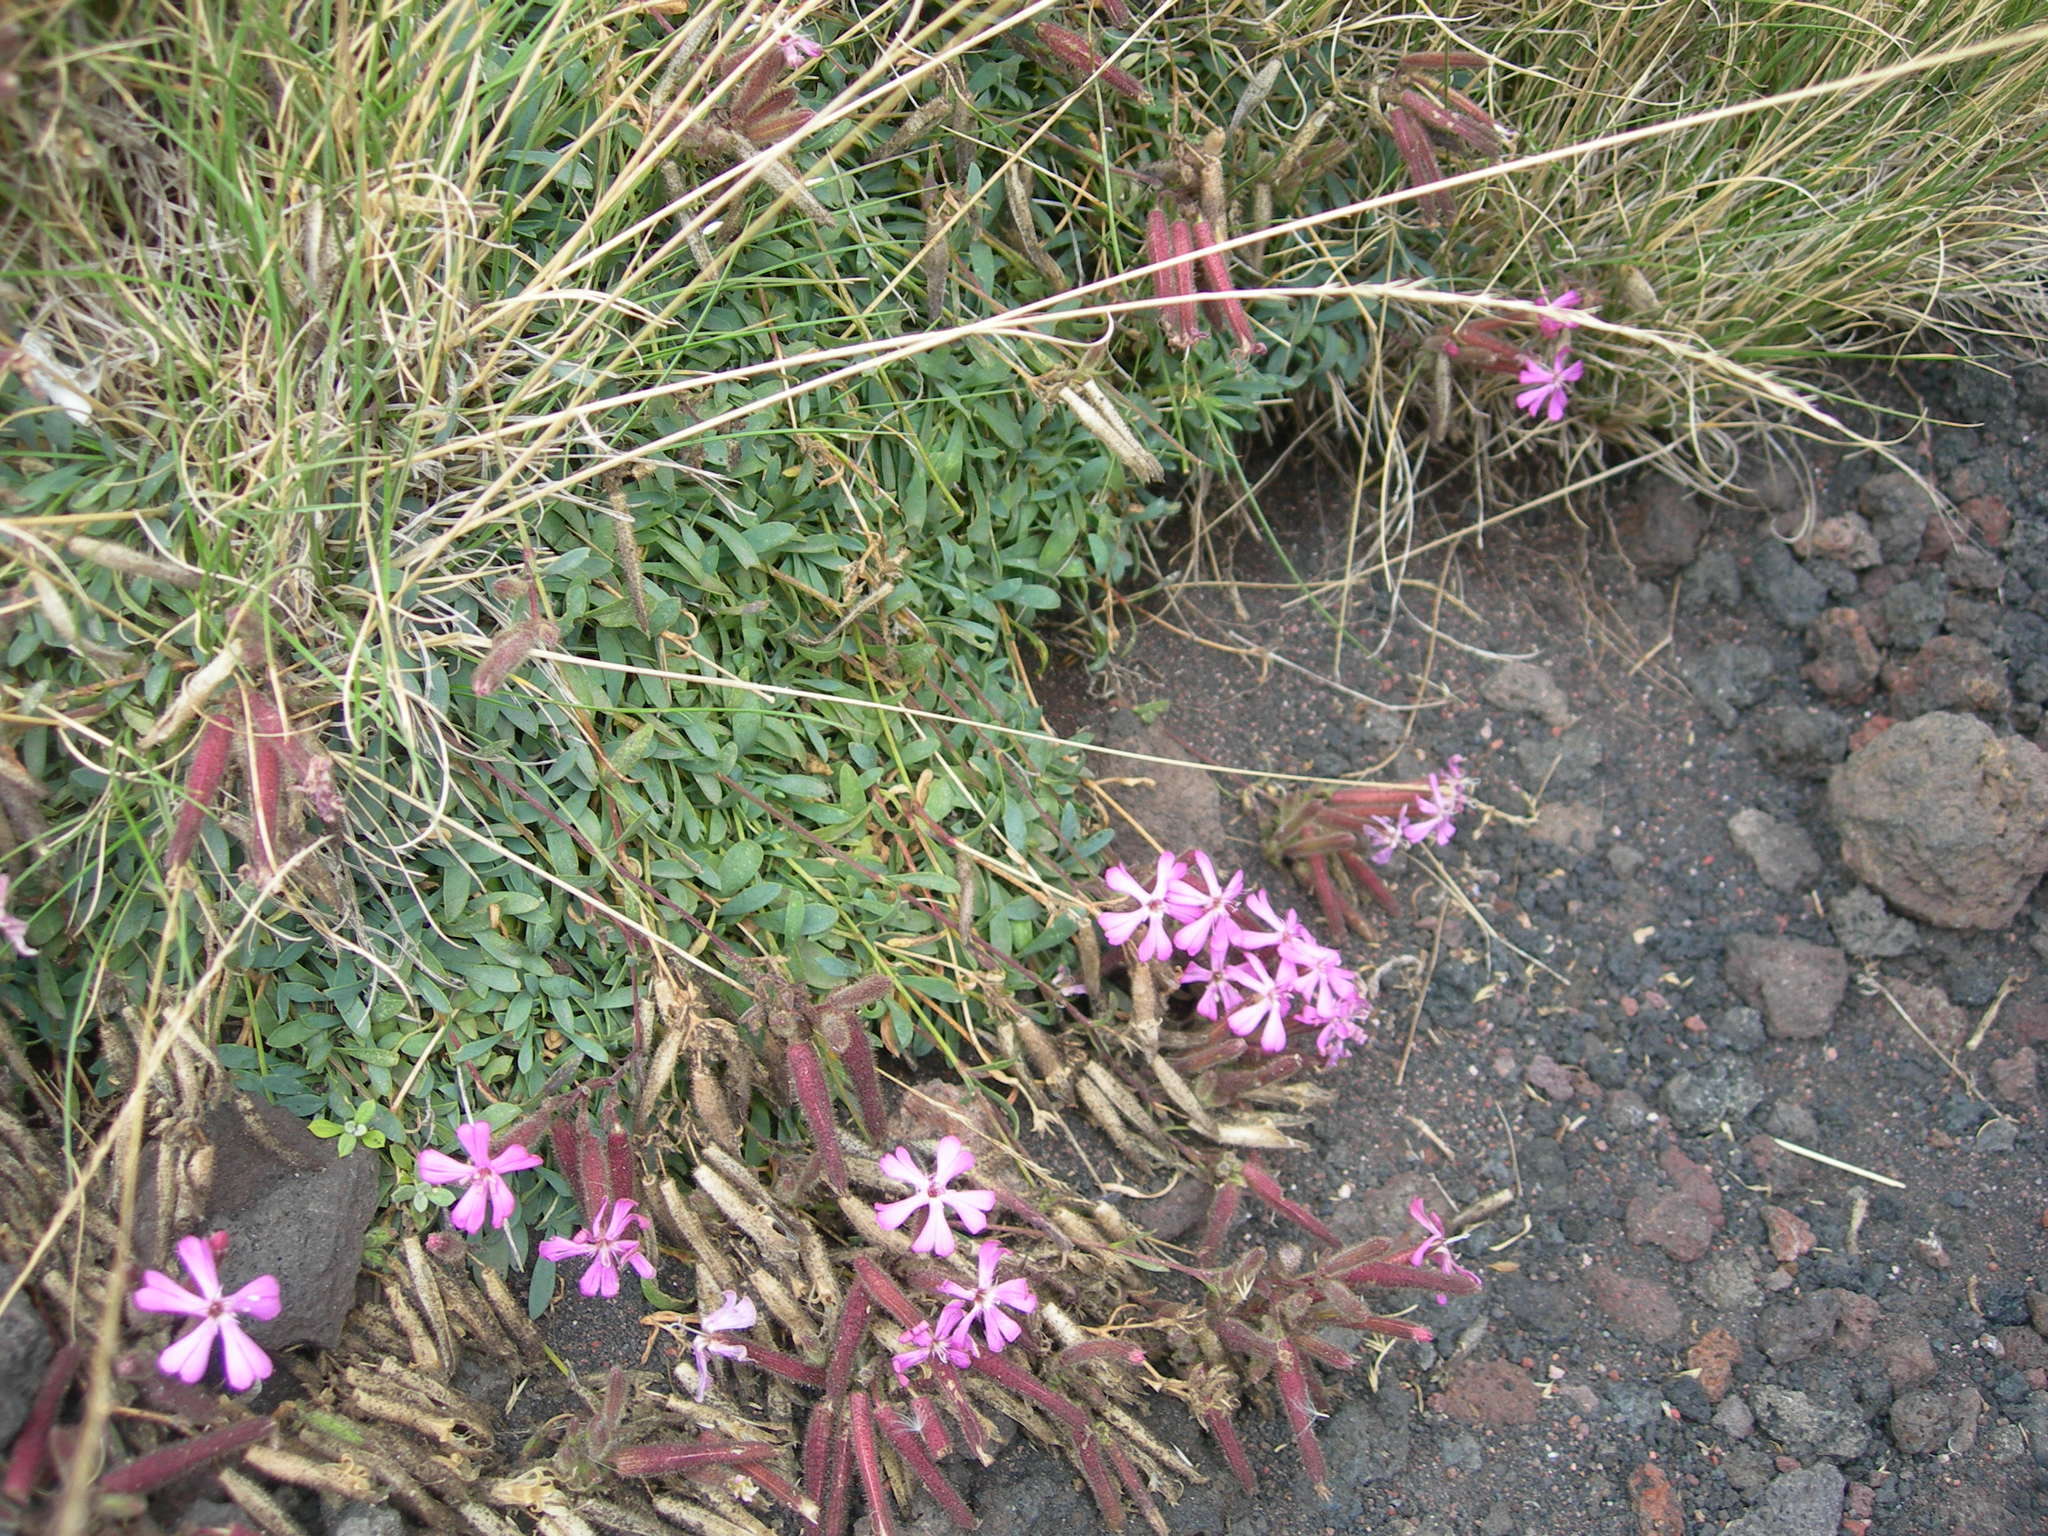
{"x": 1947, "y": 821}
{"x": 1796, "y": 985}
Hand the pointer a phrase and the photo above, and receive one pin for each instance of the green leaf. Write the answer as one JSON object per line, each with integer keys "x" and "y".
{"x": 738, "y": 865}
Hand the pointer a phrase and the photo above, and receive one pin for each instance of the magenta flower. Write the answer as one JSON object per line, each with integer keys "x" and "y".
{"x": 1218, "y": 995}
{"x": 949, "y": 1161}
{"x": 1260, "y": 905}
{"x": 733, "y": 1314}
{"x": 1436, "y": 1248}
{"x": 1335, "y": 1039}
{"x": 1558, "y": 322}
{"x": 483, "y": 1174}
{"x": 607, "y": 1245}
{"x": 986, "y": 1301}
{"x": 1151, "y": 912}
{"x": 13, "y": 929}
{"x": 921, "y": 1345}
{"x": 1205, "y": 910}
{"x": 220, "y": 1316}
{"x": 1448, "y": 794}
{"x": 1265, "y": 998}
{"x": 796, "y": 48}
{"x": 1552, "y": 383}
{"x": 1385, "y": 836}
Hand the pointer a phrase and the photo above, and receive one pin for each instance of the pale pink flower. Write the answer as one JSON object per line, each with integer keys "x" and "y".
{"x": 606, "y": 1244}
{"x": 487, "y": 1193}
{"x": 13, "y": 929}
{"x": 732, "y": 1315}
{"x": 1385, "y": 836}
{"x": 987, "y": 1301}
{"x": 1151, "y": 912}
{"x": 1558, "y": 322}
{"x": 1335, "y": 1039}
{"x": 1218, "y": 995}
{"x": 796, "y": 48}
{"x": 1436, "y": 1248}
{"x": 219, "y": 1316}
{"x": 922, "y": 1344}
{"x": 1205, "y": 911}
{"x": 1552, "y": 381}
{"x": 1260, "y": 905}
{"x": 1265, "y": 996}
{"x": 949, "y": 1160}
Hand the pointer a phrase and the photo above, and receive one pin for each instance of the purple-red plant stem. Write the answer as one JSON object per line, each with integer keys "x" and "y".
{"x": 859, "y": 1059}
{"x": 1326, "y": 892}
{"x": 675, "y": 1458}
{"x": 1183, "y": 271}
{"x": 1367, "y": 877}
{"x": 817, "y": 1455}
{"x": 847, "y": 1338}
{"x": 880, "y": 1509}
{"x": 202, "y": 783}
{"x": 887, "y": 1294}
{"x": 1408, "y": 1277}
{"x": 1263, "y": 1184}
{"x": 1219, "y": 1425}
{"x": 911, "y": 1450}
{"x": 1323, "y": 1352}
{"x": 788, "y": 1367}
{"x": 1289, "y": 1377}
{"x": 1222, "y": 1212}
{"x": 1024, "y": 1384}
{"x": 1275, "y": 1069}
{"x": 1215, "y": 1054}
{"x": 148, "y": 1473}
{"x": 839, "y": 1484}
{"x": 1089, "y": 1455}
{"x": 1127, "y": 1474}
{"x": 972, "y": 1430}
{"x": 814, "y": 1097}
{"x": 926, "y": 1420}
{"x": 32, "y": 1444}
{"x": 1433, "y": 62}
{"x": 1239, "y": 1335}
{"x": 1374, "y": 801}
{"x": 1158, "y": 248}
{"x": 266, "y": 779}
{"x": 1101, "y": 1352}
{"x": 1223, "y": 292}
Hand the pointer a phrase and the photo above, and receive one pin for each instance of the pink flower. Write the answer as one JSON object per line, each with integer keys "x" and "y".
{"x": 1435, "y": 1248}
{"x": 1260, "y": 905}
{"x": 796, "y": 48}
{"x": 1266, "y": 996}
{"x": 1151, "y": 912}
{"x": 1205, "y": 910}
{"x": 986, "y": 1301}
{"x": 949, "y": 1161}
{"x": 483, "y": 1174}
{"x": 608, "y": 1246}
{"x": 1448, "y": 794}
{"x": 1335, "y": 1039}
{"x": 186, "y": 1358}
{"x": 736, "y": 1312}
{"x": 1552, "y": 383}
{"x": 921, "y": 1345}
{"x": 1385, "y": 836}
{"x": 13, "y": 929}
{"x": 1218, "y": 995}
{"x": 1558, "y": 323}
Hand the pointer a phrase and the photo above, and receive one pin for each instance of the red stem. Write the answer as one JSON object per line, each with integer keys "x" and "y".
{"x": 1367, "y": 877}
{"x": 1222, "y": 1212}
{"x": 881, "y": 1512}
{"x": 1024, "y": 1384}
{"x": 1294, "y": 1397}
{"x": 1089, "y": 1455}
{"x": 887, "y": 1294}
{"x": 846, "y": 1342}
{"x": 202, "y": 783}
{"x": 814, "y": 1097}
{"x": 1262, "y": 1184}
{"x": 911, "y": 1450}
{"x": 148, "y": 1473}
{"x": 25, "y": 1465}
{"x": 1218, "y": 1423}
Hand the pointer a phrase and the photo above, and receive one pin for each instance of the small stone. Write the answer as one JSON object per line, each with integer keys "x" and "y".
{"x": 1829, "y": 1320}
{"x": 1727, "y": 1283}
{"x": 1806, "y": 1426}
{"x": 1926, "y": 1422}
{"x": 1659, "y": 1512}
{"x": 1568, "y": 824}
{"x": 1807, "y": 1502}
{"x": 1806, "y": 743}
{"x": 1793, "y": 1121}
{"x": 2016, "y": 1078}
{"x": 1947, "y": 673}
{"x": 1845, "y": 661}
{"x": 1715, "y": 1356}
{"x": 1797, "y": 985}
{"x": 1790, "y": 1238}
{"x": 1971, "y": 569}
{"x": 1729, "y": 677}
{"x": 1491, "y": 1392}
{"x": 1734, "y": 1419}
{"x": 1847, "y": 538}
{"x": 357, "y": 1519}
{"x": 1642, "y": 1309}
{"x": 1672, "y": 1222}
{"x": 1738, "y": 1029}
{"x": 1869, "y": 930}
{"x": 1369, "y": 1438}
{"x": 1912, "y": 612}
{"x": 1712, "y": 581}
{"x": 1561, "y": 762}
{"x": 1560, "y": 1084}
{"x": 1718, "y": 1091}
{"x": 1784, "y": 856}
{"x": 1787, "y": 591}
{"x": 2037, "y": 1312}
{"x": 1988, "y": 517}
{"x": 25, "y": 1351}
{"x": 1898, "y": 507}
{"x": 1660, "y": 529}
{"x": 1527, "y": 689}
{"x": 1626, "y": 860}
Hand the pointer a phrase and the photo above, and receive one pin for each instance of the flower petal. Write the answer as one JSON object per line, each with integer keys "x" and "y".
{"x": 474, "y": 1137}
{"x": 514, "y": 1159}
{"x": 556, "y": 1249}
{"x": 502, "y": 1202}
{"x": 186, "y": 1358}
{"x": 902, "y": 1167}
{"x": 243, "y": 1357}
{"x": 734, "y": 1313}
{"x": 468, "y": 1215}
{"x": 602, "y": 1278}
{"x": 936, "y": 1238}
{"x": 950, "y": 1160}
{"x": 972, "y": 1206}
{"x": 258, "y": 1299}
{"x": 160, "y": 1293}
{"x": 896, "y": 1212}
{"x": 435, "y": 1167}
{"x": 196, "y": 1254}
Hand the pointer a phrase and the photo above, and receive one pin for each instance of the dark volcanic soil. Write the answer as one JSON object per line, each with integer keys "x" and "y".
{"x": 1685, "y": 1327}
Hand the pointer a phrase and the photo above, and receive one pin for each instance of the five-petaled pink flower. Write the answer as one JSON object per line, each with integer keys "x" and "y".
{"x": 735, "y": 1313}
{"x": 1556, "y": 322}
{"x": 1264, "y": 997}
{"x": 949, "y": 1161}
{"x": 484, "y": 1175}
{"x": 921, "y": 1344}
{"x": 796, "y": 48}
{"x": 1552, "y": 381}
{"x": 1436, "y": 1248}
{"x": 986, "y": 1301}
{"x": 219, "y": 1316}
{"x": 1152, "y": 911}
{"x": 1205, "y": 910}
{"x": 607, "y": 1245}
